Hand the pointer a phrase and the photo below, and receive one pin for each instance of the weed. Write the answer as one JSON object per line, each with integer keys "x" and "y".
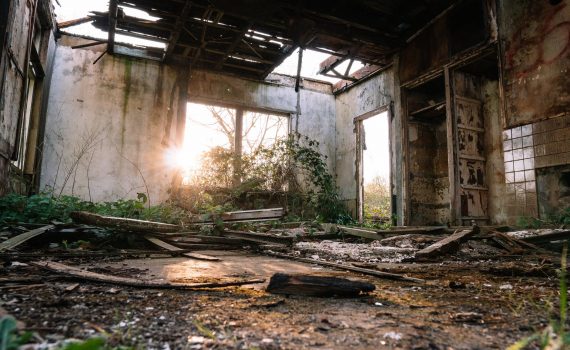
{"x": 555, "y": 336}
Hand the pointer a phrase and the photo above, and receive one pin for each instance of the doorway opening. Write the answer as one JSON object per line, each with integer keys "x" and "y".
{"x": 374, "y": 190}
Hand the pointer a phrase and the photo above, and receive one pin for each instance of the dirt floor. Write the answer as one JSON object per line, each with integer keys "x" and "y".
{"x": 472, "y": 304}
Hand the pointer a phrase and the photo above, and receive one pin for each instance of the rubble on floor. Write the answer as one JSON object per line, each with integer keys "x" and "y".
{"x": 208, "y": 288}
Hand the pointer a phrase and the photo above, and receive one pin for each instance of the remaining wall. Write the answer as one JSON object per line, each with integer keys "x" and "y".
{"x": 317, "y": 119}
{"x": 365, "y": 97}
{"x": 108, "y": 135}
{"x": 536, "y": 59}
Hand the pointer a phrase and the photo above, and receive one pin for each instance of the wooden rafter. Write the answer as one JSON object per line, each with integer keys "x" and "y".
{"x": 237, "y": 39}
{"x": 179, "y": 26}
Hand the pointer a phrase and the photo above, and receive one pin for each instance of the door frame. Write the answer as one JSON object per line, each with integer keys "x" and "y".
{"x": 358, "y": 129}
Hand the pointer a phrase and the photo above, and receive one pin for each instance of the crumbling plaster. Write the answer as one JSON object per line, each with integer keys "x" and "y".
{"x": 122, "y": 104}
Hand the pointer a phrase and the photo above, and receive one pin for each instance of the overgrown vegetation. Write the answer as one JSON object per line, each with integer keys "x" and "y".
{"x": 293, "y": 167}
{"x": 377, "y": 199}
{"x": 562, "y": 218}
{"x": 12, "y": 339}
{"x": 45, "y": 207}
{"x": 555, "y": 336}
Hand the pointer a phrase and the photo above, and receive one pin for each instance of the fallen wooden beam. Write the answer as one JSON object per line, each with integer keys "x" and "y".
{"x": 124, "y": 224}
{"x": 395, "y": 231}
{"x": 241, "y": 216}
{"x": 172, "y": 248}
{"x": 21, "y": 238}
{"x": 448, "y": 244}
{"x": 380, "y": 274}
{"x": 259, "y": 237}
{"x": 548, "y": 237}
{"x": 317, "y": 286}
{"x": 132, "y": 282}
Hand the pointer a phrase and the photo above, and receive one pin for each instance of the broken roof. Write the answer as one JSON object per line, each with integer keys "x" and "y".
{"x": 251, "y": 37}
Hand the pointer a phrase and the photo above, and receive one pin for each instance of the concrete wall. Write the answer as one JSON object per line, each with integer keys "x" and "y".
{"x": 317, "y": 119}
{"x": 105, "y": 127}
{"x": 108, "y": 130}
{"x": 362, "y": 98}
{"x": 536, "y": 59}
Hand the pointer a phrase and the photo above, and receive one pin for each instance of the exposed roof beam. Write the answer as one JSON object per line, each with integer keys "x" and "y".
{"x": 74, "y": 22}
{"x": 237, "y": 39}
{"x": 113, "y": 10}
{"x": 175, "y": 35}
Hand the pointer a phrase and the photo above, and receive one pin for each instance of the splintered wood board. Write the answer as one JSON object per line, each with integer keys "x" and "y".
{"x": 172, "y": 248}
{"x": 21, "y": 238}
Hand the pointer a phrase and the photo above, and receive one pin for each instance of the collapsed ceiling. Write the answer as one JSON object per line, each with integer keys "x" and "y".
{"x": 250, "y": 38}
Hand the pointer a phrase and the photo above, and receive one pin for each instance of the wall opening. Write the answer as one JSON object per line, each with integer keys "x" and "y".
{"x": 374, "y": 168}
{"x": 218, "y": 136}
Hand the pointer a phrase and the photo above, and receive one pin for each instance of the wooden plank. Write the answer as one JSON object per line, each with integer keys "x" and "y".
{"x": 381, "y": 234}
{"x": 21, "y": 238}
{"x": 132, "y": 282}
{"x": 259, "y": 237}
{"x": 243, "y": 215}
{"x": 317, "y": 286}
{"x": 452, "y": 151}
{"x": 172, "y": 248}
{"x": 127, "y": 224}
{"x": 448, "y": 244}
{"x": 548, "y": 237}
{"x": 376, "y": 273}
{"x": 113, "y": 10}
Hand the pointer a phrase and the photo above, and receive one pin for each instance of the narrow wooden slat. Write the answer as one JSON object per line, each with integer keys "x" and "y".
{"x": 19, "y": 239}
{"x": 83, "y": 217}
{"x": 172, "y": 248}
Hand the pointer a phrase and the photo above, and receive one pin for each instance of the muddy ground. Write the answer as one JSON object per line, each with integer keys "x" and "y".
{"x": 473, "y": 304}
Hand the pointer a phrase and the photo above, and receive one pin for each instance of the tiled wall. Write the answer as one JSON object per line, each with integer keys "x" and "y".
{"x": 526, "y": 148}
{"x": 519, "y": 171}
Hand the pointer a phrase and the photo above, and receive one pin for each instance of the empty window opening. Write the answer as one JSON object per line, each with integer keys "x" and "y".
{"x": 217, "y": 138}
{"x": 375, "y": 169}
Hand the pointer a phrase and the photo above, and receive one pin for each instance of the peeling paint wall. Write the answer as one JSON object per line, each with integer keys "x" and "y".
{"x": 317, "y": 119}
{"x": 108, "y": 135}
{"x": 536, "y": 59}
{"x": 362, "y": 98}
{"x": 104, "y": 127}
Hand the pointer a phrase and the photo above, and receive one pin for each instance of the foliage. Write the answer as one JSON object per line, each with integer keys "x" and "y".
{"x": 42, "y": 208}
{"x": 555, "y": 336}
{"x": 377, "y": 198}
{"x": 529, "y": 222}
{"x": 293, "y": 165}
{"x": 10, "y": 339}
{"x": 563, "y": 217}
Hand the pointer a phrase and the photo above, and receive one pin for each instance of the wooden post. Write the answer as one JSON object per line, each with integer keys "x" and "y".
{"x": 238, "y": 147}
{"x": 452, "y": 156}
{"x": 113, "y": 10}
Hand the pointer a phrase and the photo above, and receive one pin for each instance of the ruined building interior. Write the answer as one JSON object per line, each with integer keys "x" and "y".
{"x": 249, "y": 174}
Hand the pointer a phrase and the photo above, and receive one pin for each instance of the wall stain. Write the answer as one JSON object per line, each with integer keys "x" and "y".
{"x": 128, "y": 68}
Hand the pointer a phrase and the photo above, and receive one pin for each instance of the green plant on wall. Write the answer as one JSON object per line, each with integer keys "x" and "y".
{"x": 293, "y": 165}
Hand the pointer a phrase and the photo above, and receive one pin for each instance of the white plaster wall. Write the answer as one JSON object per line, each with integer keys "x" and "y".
{"x": 124, "y": 103}
{"x": 358, "y": 100}
{"x": 317, "y": 119}
{"x": 117, "y": 109}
